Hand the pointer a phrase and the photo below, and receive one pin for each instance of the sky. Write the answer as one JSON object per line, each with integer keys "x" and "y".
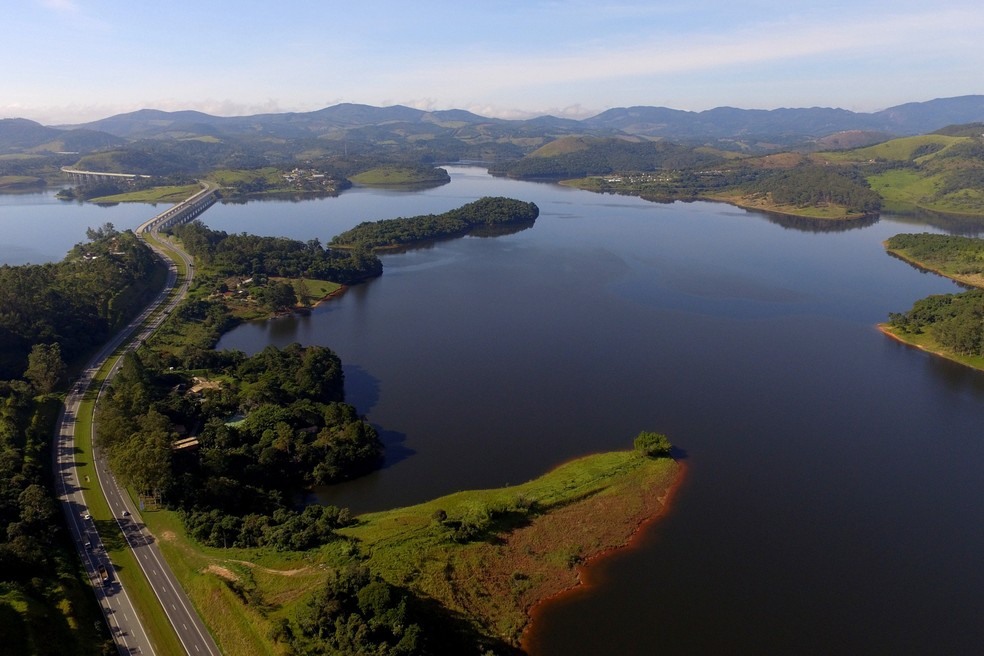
{"x": 73, "y": 61}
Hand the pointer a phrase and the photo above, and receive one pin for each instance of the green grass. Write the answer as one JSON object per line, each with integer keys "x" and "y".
{"x": 241, "y": 593}
{"x": 903, "y": 188}
{"x": 240, "y": 628}
{"x": 925, "y": 342}
{"x": 19, "y": 181}
{"x": 907, "y": 190}
{"x": 582, "y": 508}
{"x": 900, "y": 149}
{"x": 316, "y": 289}
{"x": 228, "y": 177}
{"x": 396, "y": 175}
{"x": 166, "y": 194}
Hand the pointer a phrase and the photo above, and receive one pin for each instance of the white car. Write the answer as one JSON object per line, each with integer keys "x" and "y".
{"x": 87, "y": 516}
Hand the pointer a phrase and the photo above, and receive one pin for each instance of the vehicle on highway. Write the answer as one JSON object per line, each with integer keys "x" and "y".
{"x": 104, "y": 574}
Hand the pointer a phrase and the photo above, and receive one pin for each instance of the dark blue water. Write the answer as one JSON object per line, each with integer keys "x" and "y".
{"x": 833, "y": 502}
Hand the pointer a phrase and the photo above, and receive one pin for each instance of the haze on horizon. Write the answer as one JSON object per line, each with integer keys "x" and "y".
{"x": 73, "y": 61}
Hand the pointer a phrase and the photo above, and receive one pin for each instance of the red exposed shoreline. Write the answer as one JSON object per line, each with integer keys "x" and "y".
{"x": 584, "y": 581}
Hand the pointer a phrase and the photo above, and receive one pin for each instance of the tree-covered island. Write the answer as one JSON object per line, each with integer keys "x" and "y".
{"x": 949, "y": 325}
{"x": 488, "y": 212}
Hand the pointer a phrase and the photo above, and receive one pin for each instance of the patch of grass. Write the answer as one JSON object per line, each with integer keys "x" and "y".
{"x": 899, "y": 150}
{"x": 211, "y": 578}
{"x": 399, "y": 175}
{"x": 229, "y": 177}
{"x": 537, "y": 534}
{"x": 19, "y": 181}
{"x": 316, "y": 289}
{"x": 926, "y": 342}
{"x": 903, "y": 188}
{"x": 166, "y": 194}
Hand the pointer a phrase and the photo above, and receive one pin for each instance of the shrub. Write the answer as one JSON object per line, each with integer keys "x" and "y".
{"x": 654, "y": 445}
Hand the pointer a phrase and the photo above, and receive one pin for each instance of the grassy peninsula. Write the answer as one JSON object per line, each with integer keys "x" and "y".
{"x": 482, "y": 558}
{"x": 947, "y": 325}
{"x": 401, "y": 176}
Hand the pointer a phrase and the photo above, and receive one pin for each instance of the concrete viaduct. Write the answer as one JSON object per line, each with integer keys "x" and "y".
{"x": 183, "y": 212}
{"x": 80, "y": 177}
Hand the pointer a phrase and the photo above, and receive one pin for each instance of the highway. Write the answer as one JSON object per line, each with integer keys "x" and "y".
{"x": 123, "y": 621}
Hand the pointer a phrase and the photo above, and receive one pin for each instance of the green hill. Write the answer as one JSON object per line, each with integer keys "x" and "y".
{"x": 940, "y": 172}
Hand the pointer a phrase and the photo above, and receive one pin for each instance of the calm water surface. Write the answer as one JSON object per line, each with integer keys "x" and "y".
{"x": 36, "y": 228}
{"x": 833, "y": 501}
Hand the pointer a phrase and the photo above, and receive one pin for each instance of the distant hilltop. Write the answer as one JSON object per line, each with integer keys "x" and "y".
{"x": 908, "y": 119}
{"x": 362, "y": 128}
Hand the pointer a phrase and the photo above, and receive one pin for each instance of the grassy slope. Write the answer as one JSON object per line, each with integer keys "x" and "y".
{"x": 167, "y": 194}
{"x": 585, "y": 507}
{"x": 906, "y": 190}
{"x": 395, "y": 175}
{"x": 896, "y": 150}
{"x": 590, "y": 505}
{"x": 227, "y": 177}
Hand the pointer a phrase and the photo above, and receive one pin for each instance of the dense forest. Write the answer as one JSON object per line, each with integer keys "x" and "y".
{"x": 488, "y": 211}
{"x": 270, "y": 425}
{"x": 603, "y": 156}
{"x": 809, "y": 185}
{"x": 950, "y": 254}
{"x": 247, "y": 255}
{"x": 78, "y": 302}
{"x": 41, "y": 591}
{"x": 51, "y": 316}
{"x": 954, "y": 321}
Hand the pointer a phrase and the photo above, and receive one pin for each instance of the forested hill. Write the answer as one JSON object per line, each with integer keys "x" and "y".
{"x": 77, "y": 303}
{"x": 484, "y": 212}
{"x": 577, "y": 157}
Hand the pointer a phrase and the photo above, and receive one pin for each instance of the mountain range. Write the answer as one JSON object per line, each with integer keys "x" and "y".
{"x": 365, "y": 124}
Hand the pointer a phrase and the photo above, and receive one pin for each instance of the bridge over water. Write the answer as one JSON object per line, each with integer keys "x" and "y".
{"x": 82, "y": 177}
{"x": 183, "y": 212}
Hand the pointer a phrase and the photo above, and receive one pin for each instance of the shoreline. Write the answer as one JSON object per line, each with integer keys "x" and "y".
{"x": 970, "y": 281}
{"x": 584, "y": 582}
{"x": 951, "y": 357}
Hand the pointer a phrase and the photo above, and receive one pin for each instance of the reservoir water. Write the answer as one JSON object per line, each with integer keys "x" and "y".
{"x": 833, "y": 501}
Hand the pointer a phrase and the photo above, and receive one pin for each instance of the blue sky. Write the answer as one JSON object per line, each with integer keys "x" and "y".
{"x": 71, "y": 61}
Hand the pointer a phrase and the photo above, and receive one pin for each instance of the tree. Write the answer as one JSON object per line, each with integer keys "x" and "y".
{"x": 278, "y": 296}
{"x": 144, "y": 460}
{"x": 45, "y": 367}
{"x": 107, "y": 230}
{"x": 654, "y": 445}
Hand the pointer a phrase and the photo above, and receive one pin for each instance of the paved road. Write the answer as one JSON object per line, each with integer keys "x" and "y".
{"x": 122, "y": 619}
